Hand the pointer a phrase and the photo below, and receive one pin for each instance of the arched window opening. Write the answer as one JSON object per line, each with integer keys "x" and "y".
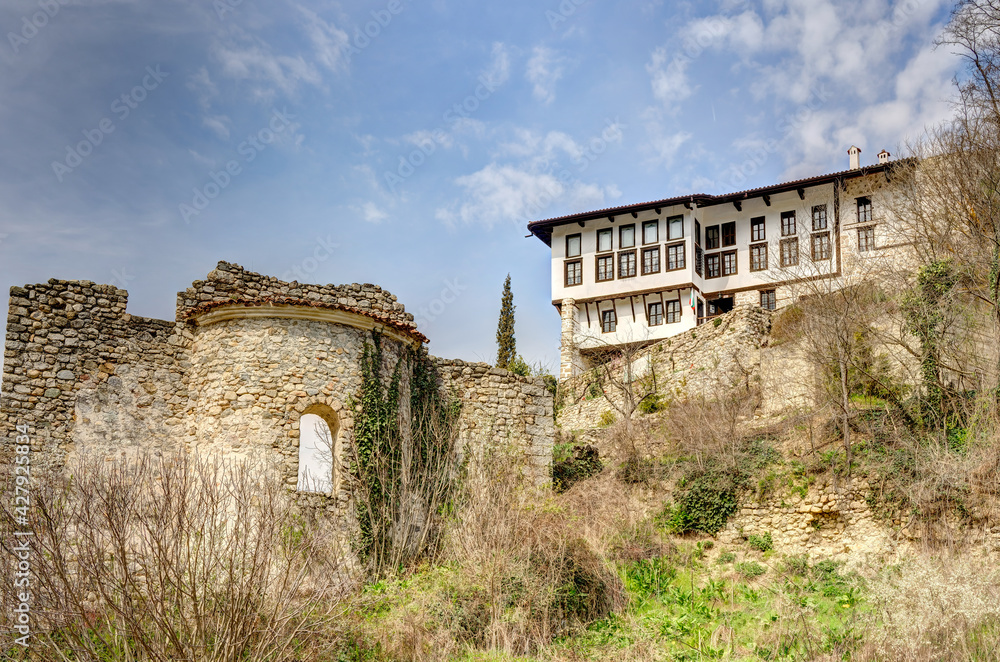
{"x": 317, "y": 452}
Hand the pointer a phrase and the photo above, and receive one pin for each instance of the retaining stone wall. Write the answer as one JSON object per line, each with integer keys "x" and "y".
{"x": 722, "y": 352}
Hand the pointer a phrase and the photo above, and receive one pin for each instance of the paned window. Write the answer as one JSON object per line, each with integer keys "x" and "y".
{"x": 787, "y": 223}
{"x": 675, "y": 257}
{"x": 608, "y": 321}
{"x": 819, "y": 217}
{"x": 605, "y": 267}
{"x": 673, "y": 311}
{"x": 651, "y": 260}
{"x": 574, "y": 273}
{"x": 655, "y": 314}
{"x": 789, "y": 252}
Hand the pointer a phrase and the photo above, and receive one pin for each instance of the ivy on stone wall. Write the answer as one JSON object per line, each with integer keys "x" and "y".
{"x": 405, "y": 457}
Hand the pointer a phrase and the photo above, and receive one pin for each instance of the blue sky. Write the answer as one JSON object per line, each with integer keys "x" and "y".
{"x": 408, "y": 143}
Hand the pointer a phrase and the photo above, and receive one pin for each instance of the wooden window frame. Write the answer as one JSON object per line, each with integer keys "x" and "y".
{"x": 699, "y": 260}
{"x": 708, "y": 259}
{"x": 781, "y": 255}
{"x": 673, "y": 309}
{"x": 621, "y": 232}
{"x": 757, "y": 223}
{"x": 709, "y": 245}
{"x": 671, "y": 220}
{"x": 789, "y": 226}
{"x": 635, "y": 269}
{"x": 829, "y": 248}
{"x": 566, "y": 266}
{"x": 819, "y": 212}
{"x": 697, "y": 232}
{"x": 730, "y": 228}
{"x": 758, "y": 247}
{"x": 869, "y": 246}
{"x": 597, "y": 267}
{"x": 666, "y": 262}
{"x": 864, "y": 203}
{"x": 735, "y": 263}
{"x": 773, "y": 299}
{"x": 578, "y": 236}
{"x": 651, "y": 249}
{"x": 611, "y": 233}
{"x": 649, "y": 313}
{"x": 656, "y": 232}
{"x": 614, "y": 321}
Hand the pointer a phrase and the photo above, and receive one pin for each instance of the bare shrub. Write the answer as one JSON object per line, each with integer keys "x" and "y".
{"x": 173, "y": 557}
{"x": 520, "y": 572}
{"x": 945, "y": 610}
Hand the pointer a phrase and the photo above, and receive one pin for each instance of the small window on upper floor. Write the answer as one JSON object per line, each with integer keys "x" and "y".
{"x": 729, "y": 233}
{"x": 573, "y": 245}
{"x": 757, "y": 229}
{"x": 675, "y": 228}
{"x": 650, "y": 232}
{"x": 603, "y": 240}
{"x": 697, "y": 232}
{"x": 864, "y": 210}
{"x": 626, "y": 236}
{"x": 788, "y": 223}
{"x": 819, "y": 217}
{"x": 711, "y": 237}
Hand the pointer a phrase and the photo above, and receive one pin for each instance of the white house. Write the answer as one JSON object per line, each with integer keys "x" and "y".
{"x": 648, "y": 271}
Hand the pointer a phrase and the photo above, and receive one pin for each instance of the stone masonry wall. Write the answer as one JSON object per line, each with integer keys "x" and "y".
{"x": 833, "y": 520}
{"x": 84, "y": 375}
{"x": 719, "y": 353}
{"x": 78, "y": 366}
{"x": 502, "y": 410}
{"x": 231, "y": 283}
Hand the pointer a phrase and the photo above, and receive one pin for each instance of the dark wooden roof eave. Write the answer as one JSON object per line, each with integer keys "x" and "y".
{"x": 543, "y": 228}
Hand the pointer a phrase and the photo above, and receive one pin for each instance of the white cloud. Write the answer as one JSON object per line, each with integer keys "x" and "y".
{"x": 501, "y": 193}
{"x": 372, "y": 214}
{"x": 668, "y": 76}
{"x": 217, "y": 123}
{"x": 545, "y": 68}
{"x": 329, "y": 42}
{"x": 253, "y": 61}
{"x": 499, "y": 70}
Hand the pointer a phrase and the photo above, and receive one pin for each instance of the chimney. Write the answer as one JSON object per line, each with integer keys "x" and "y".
{"x": 883, "y": 156}
{"x": 855, "y": 154}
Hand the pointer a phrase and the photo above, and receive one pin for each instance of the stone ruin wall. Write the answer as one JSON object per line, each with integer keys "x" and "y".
{"x": 80, "y": 371}
{"x": 502, "y": 411}
{"x": 84, "y": 375}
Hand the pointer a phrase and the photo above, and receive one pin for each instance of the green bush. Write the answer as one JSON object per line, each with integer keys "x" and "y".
{"x": 750, "y": 569}
{"x": 763, "y": 543}
{"x": 583, "y": 462}
{"x": 726, "y": 557}
{"x": 707, "y": 500}
{"x": 608, "y": 419}
{"x": 651, "y": 403}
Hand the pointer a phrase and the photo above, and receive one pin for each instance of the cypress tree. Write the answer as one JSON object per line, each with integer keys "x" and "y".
{"x": 506, "y": 351}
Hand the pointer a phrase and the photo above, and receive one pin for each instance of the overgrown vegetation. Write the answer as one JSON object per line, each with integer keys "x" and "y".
{"x": 405, "y": 462}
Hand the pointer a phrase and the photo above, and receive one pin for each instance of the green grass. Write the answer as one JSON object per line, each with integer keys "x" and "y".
{"x": 708, "y": 613}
